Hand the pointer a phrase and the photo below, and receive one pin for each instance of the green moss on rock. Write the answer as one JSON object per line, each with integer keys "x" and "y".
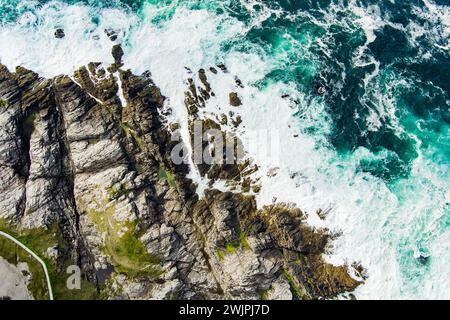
{"x": 39, "y": 240}
{"x": 14, "y": 255}
{"x": 295, "y": 288}
{"x": 122, "y": 244}
{"x": 169, "y": 177}
{"x": 231, "y": 248}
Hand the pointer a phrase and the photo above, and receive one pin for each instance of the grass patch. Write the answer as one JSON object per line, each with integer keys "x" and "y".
{"x": 39, "y": 240}
{"x": 131, "y": 257}
{"x": 126, "y": 129}
{"x": 88, "y": 290}
{"x": 264, "y": 295}
{"x": 230, "y": 248}
{"x": 14, "y": 255}
{"x": 132, "y": 133}
{"x": 169, "y": 177}
{"x": 123, "y": 245}
{"x": 221, "y": 254}
{"x": 3, "y": 103}
{"x": 298, "y": 292}
{"x": 243, "y": 241}
{"x": 138, "y": 139}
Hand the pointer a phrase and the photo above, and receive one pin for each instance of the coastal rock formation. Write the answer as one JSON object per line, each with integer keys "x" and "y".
{"x": 88, "y": 158}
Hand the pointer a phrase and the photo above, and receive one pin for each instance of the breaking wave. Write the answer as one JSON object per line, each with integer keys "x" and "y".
{"x": 373, "y": 151}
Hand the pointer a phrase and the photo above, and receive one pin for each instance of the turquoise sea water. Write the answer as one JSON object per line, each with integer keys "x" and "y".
{"x": 384, "y": 119}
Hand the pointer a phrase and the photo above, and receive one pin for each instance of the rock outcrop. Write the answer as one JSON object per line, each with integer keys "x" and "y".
{"x": 91, "y": 155}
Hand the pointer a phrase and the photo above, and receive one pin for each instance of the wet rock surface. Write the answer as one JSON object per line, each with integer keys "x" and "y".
{"x": 91, "y": 154}
{"x": 59, "y": 33}
{"x": 235, "y": 101}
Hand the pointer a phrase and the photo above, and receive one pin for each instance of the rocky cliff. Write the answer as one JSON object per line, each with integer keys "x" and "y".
{"x": 86, "y": 164}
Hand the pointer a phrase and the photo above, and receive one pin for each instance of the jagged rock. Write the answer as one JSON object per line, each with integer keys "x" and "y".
{"x": 52, "y": 253}
{"x": 59, "y": 33}
{"x": 75, "y": 160}
{"x": 223, "y": 119}
{"x": 161, "y": 239}
{"x": 235, "y": 101}
{"x": 36, "y": 174}
{"x": 238, "y": 82}
{"x": 237, "y": 122}
{"x": 204, "y": 80}
{"x": 117, "y": 53}
{"x": 222, "y": 67}
{"x": 112, "y": 34}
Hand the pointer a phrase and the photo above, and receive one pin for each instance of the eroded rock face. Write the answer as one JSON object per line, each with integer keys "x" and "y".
{"x": 91, "y": 155}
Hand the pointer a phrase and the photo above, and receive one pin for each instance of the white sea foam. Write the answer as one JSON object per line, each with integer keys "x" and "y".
{"x": 438, "y": 27}
{"x": 363, "y": 207}
{"x": 31, "y": 42}
{"x": 377, "y": 223}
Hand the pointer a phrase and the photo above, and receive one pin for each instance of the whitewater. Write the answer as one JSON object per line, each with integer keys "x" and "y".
{"x": 379, "y": 169}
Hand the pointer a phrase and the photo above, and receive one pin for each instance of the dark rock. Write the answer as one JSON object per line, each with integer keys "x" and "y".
{"x": 238, "y": 82}
{"x": 235, "y": 101}
{"x": 112, "y": 34}
{"x": 423, "y": 258}
{"x": 237, "y": 121}
{"x": 223, "y": 119}
{"x": 204, "y": 80}
{"x": 222, "y": 67}
{"x": 74, "y": 158}
{"x": 59, "y": 33}
{"x": 117, "y": 53}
